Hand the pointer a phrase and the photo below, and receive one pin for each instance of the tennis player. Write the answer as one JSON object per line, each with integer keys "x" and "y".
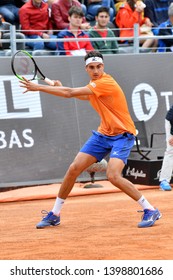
{"x": 115, "y": 136}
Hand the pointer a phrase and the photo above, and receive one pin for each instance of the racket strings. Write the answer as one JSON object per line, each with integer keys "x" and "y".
{"x": 24, "y": 65}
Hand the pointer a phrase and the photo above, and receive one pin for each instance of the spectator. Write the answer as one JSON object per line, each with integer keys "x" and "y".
{"x": 74, "y": 31}
{"x": 9, "y": 11}
{"x": 167, "y": 165}
{"x": 130, "y": 13}
{"x": 36, "y": 24}
{"x": 60, "y": 14}
{"x": 100, "y": 30}
{"x": 94, "y": 5}
{"x": 5, "y": 34}
{"x": 166, "y": 28}
{"x": 157, "y": 12}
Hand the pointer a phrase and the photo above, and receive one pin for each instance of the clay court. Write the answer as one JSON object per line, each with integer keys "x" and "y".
{"x": 97, "y": 224}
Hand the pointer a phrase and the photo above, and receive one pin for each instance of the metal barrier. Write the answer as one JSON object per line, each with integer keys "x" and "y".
{"x": 135, "y": 46}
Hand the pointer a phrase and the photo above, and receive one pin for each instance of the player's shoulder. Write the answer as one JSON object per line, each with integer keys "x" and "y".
{"x": 109, "y": 81}
{"x": 107, "y": 76}
{"x": 105, "y": 80}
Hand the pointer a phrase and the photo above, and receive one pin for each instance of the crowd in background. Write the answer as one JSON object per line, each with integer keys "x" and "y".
{"x": 73, "y": 20}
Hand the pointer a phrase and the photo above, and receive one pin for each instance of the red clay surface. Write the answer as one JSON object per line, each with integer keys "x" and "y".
{"x": 93, "y": 227}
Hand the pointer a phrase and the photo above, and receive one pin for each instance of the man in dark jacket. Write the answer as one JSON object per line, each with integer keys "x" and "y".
{"x": 166, "y": 29}
{"x": 157, "y": 12}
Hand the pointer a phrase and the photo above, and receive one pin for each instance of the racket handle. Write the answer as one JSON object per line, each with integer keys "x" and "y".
{"x": 49, "y": 82}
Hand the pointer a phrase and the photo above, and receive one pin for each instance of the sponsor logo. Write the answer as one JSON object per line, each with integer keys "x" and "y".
{"x": 115, "y": 153}
{"x": 16, "y": 105}
{"x": 144, "y": 101}
{"x": 93, "y": 84}
{"x": 158, "y": 175}
{"x": 135, "y": 173}
{"x": 12, "y": 139}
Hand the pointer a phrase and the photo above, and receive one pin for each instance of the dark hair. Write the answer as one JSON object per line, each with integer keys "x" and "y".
{"x": 102, "y": 9}
{"x": 75, "y": 10}
{"x": 93, "y": 54}
{"x": 131, "y": 4}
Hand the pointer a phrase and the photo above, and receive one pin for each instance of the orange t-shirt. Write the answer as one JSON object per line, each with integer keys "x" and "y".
{"x": 110, "y": 103}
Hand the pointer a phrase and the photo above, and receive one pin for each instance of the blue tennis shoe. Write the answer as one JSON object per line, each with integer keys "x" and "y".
{"x": 149, "y": 218}
{"x": 165, "y": 186}
{"x": 49, "y": 220}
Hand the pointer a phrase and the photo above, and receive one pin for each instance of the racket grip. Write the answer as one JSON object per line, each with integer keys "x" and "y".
{"x": 49, "y": 82}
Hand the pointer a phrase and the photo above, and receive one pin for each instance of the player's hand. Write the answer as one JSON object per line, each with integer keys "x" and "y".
{"x": 28, "y": 85}
{"x": 57, "y": 83}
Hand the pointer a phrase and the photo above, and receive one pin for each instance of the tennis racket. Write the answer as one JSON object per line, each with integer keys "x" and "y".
{"x": 23, "y": 64}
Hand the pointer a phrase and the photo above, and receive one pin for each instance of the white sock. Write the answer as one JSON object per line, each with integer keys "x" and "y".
{"x": 58, "y": 205}
{"x": 144, "y": 203}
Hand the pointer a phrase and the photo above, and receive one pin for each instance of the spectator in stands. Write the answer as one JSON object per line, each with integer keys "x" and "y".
{"x": 94, "y": 5}
{"x": 5, "y": 34}
{"x": 36, "y": 24}
{"x": 9, "y": 11}
{"x": 167, "y": 165}
{"x": 100, "y": 30}
{"x": 130, "y": 13}
{"x": 74, "y": 31}
{"x": 166, "y": 28}
{"x": 60, "y": 9}
{"x": 157, "y": 12}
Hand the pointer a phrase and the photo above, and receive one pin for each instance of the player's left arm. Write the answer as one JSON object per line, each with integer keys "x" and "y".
{"x": 81, "y": 97}
{"x": 57, "y": 90}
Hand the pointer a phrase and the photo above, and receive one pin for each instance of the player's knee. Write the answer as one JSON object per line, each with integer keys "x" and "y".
{"x": 113, "y": 176}
{"x": 74, "y": 169}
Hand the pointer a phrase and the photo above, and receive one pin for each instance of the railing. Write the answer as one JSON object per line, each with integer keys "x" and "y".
{"x": 135, "y": 41}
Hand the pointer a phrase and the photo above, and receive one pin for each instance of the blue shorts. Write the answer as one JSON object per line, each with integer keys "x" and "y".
{"x": 99, "y": 145}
